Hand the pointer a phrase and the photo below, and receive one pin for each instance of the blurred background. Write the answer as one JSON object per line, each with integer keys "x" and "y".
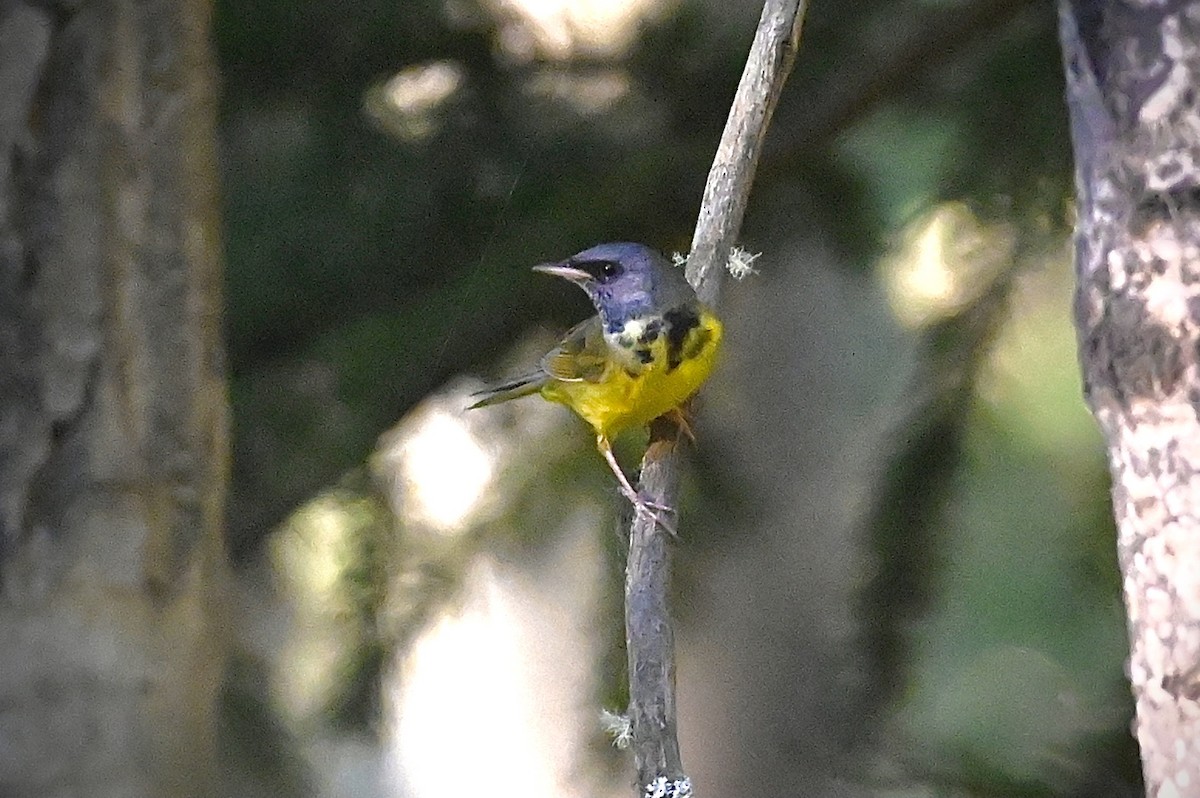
{"x": 896, "y": 573}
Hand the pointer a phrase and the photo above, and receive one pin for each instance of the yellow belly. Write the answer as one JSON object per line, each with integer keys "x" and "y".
{"x": 619, "y": 400}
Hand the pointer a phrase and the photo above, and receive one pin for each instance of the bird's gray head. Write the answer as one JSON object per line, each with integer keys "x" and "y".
{"x": 624, "y": 281}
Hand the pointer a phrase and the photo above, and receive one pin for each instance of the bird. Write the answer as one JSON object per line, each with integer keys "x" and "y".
{"x": 650, "y": 346}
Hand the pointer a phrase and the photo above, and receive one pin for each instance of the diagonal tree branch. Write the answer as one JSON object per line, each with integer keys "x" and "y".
{"x": 649, "y": 636}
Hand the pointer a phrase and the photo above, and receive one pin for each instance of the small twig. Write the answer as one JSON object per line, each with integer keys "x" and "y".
{"x": 649, "y": 636}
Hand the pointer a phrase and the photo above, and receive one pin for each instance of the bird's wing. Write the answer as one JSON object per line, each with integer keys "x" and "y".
{"x": 581, "y": 356}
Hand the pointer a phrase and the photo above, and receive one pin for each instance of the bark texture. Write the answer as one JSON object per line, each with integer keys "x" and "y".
{"x": 1133, "y": 86}
{"x": 113, "y": 443}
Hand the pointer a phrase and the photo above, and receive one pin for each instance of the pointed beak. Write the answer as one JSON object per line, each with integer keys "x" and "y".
{"x": 577, "y": 276}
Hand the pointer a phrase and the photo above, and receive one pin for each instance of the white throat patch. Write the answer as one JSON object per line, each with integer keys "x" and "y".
{"x": 633, "y": 343}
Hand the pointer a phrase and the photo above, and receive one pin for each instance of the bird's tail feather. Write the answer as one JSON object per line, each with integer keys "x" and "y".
{"x": 513, "y": 389}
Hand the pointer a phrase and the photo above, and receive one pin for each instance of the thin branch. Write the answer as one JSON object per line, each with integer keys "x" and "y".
{"x": 649, "y": 635}
{"x": 728, "y": 188}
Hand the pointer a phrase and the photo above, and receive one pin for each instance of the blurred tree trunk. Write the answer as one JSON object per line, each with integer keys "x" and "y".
{"x": 1133, "y": 85}
{"x": 113, "y": 443}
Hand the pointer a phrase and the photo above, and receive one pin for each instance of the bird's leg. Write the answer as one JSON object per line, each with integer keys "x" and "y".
{"x": 639, "y": 503}
{"x": 605, "y": 448}
{"x": 682, "y": 420}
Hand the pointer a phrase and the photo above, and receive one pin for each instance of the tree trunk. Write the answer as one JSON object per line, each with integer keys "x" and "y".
{"x": 1133, "y": 86}
{"x": 113, "y": 442}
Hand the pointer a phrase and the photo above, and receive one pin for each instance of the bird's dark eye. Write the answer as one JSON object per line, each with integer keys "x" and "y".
{"x": 601, "y": 270}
